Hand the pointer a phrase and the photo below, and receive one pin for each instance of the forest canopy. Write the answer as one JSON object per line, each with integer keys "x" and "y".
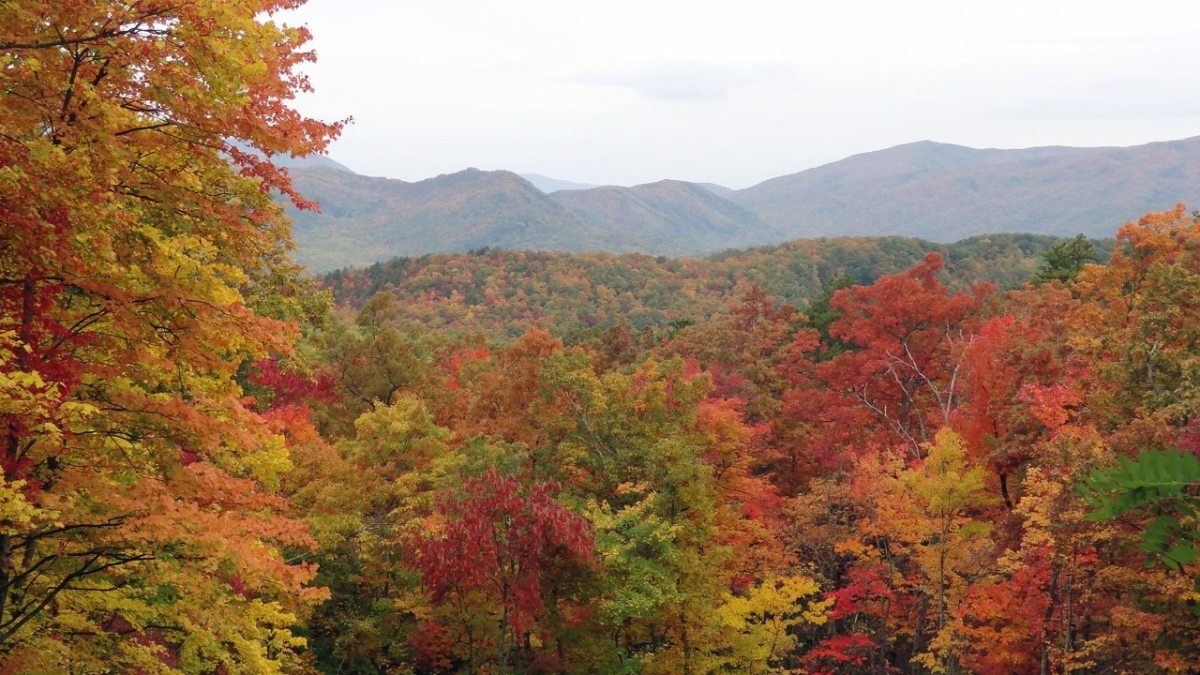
{"x": 916, "y": 472}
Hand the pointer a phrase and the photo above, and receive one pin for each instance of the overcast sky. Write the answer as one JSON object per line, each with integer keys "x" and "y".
{"x": 625, "y": 92}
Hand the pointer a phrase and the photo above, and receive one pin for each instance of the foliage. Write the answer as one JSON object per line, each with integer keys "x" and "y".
{"x": 1156, "y": 482}
{"x": 504, "y": 292}
{"x": 1065, "y": 260}
{"x": 496, "y": 541}
{"x": 140, "y": 235}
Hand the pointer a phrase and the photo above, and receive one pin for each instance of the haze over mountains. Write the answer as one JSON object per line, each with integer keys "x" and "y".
{"x": 548, "y": 185}
{"x": 927, "y": 190}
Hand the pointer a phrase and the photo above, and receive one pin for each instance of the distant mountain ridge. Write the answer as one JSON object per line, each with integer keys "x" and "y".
{"x": 934, "y": 191}
{"x": 718, "y": 190}
{"x": 364, "y": 220}
{"x": 368, "y": 219}
{"x": 946, "y": 192}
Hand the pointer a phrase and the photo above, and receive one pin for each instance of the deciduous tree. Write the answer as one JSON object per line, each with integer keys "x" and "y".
{"x": 139, "y": 230}
{"x": 496, "y": 541}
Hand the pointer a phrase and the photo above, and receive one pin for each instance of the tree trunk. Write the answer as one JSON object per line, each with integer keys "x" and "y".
{"x": 687, "y": 647}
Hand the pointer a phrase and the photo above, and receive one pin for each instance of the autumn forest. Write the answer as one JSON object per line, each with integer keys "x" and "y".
{"x": 830, "y": 456}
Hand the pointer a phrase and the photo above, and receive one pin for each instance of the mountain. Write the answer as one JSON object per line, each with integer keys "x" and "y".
{"x": 365, "y": 219}
{"x": 548, "y": 185}
{"x": 289, "y": 162}
{"x": 946, "y": 192}
{"x": 669, "y": 217}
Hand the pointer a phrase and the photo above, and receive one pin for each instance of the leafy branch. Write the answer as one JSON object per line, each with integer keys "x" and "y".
{"x": 1160, "y": 481}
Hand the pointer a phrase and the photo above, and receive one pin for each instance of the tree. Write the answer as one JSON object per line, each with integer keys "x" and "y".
{"x": 905, "y": 336}
{"x": 1022, "y": 381}
{"x": 913, "y": 548}
{"x": 948, "y": 491}
{"x": 374, "y": 362}
{"x": 496, "y": 541}
{"x": 764, "y": 620}
{"x": 741, "y": 350}
{"x": 1065, "y": 260}
{"x": 1067, "y": 594}
{"x": 140, "y": 229}
{"x": 363, "y": 504}
{"x": 1137, "y": 324}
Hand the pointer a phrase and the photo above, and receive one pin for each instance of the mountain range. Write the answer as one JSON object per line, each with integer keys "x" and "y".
{"x": 934, "y": 191}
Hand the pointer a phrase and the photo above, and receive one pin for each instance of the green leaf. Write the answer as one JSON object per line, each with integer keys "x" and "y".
{"x": 1155, "y": 479}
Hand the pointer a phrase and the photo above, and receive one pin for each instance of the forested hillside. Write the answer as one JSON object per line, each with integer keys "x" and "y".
{"x": 505, "y": 292}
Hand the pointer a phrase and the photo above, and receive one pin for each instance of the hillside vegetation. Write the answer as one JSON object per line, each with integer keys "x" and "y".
{"x": 885, "y": 478}
{"x": 505, "y": 292}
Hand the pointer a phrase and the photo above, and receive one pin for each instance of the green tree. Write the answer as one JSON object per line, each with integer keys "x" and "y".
{"x": 1065, "y": 260}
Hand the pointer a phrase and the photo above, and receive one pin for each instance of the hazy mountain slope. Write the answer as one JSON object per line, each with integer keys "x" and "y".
{"x": 289, "y": 162}
{"x": 718, "y": 190}
{"x": 368, "y": 219}
{"x": 669, "y": 217}
{"x": 548, "y": 185}
{"x": 946, "y": 192}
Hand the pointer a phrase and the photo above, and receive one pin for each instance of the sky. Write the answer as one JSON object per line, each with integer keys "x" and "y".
{"x": 625, "y": 92}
